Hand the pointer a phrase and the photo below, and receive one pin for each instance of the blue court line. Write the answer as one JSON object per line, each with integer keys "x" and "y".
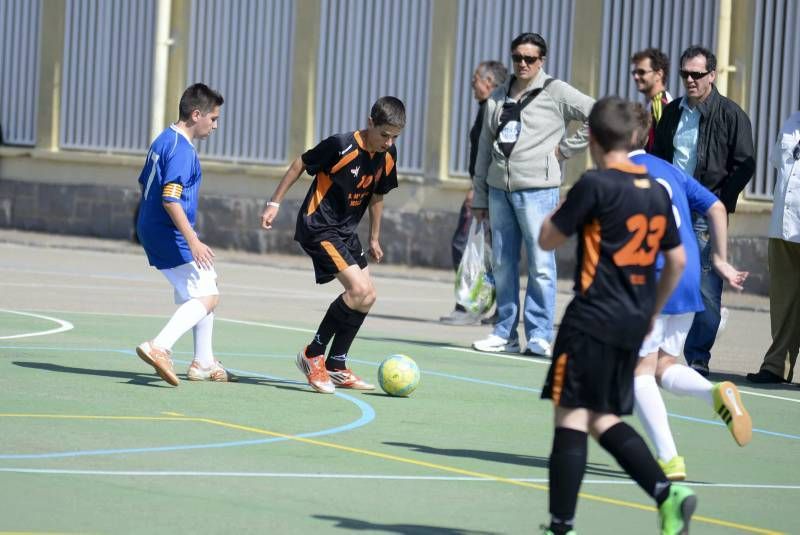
{"x": 426, "y": 372}
{"x": 367, "y": 415}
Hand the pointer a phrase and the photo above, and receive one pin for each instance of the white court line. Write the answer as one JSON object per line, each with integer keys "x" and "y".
{"x": 386, "y": 477}
{"x": 771, "y": 396}
{"x": 64, "y": 325}
{"x": 252, "y": 291}
{"x": 532, "y": 360}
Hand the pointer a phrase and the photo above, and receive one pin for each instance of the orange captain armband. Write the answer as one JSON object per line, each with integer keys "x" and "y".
{"x": 172, "y": 190}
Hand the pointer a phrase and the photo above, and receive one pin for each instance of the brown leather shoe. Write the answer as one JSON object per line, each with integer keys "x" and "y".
{"x": 160, "y": 359}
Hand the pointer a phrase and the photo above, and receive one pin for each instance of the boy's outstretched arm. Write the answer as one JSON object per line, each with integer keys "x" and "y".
{"x": 375, "y": 213}
{"x": 549, "y": 236}
{"x": 201, "y": 252}
{"x": 289, "y": 178}
{"x": 718, "y": 229}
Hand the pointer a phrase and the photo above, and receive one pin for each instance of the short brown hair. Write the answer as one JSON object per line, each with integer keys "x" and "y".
{"x": 658, "y": 60}
{"x": 198, "y": 97}
{"x": 611, "y": 123}
{"x": 388, "y": 110}
{"x": 643, "y": 121}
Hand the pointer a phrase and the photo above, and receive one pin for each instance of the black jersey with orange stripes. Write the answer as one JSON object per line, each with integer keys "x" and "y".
{"x": 623, "y": 218}
{"x": 346, "y": 176}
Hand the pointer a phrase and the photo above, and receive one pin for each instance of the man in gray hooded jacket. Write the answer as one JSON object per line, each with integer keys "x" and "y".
{"x": 516, "y": 184}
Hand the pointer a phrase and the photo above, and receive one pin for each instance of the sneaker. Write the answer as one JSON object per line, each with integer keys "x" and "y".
{"x": 160, "y": 359}
{"x": 347, "y": 379}
{"x": 728, "y": 404}
{"x": 674, "y": 469}
{"x": 496, "y": 344}
{"x": 765, "y": 377}
{"x": 215, "y": 373}
{"x": 460, "y": 317}
{"x": 314, "y": 370}
{"x": 677, "y": 510}
{"x": 700, "y": 367}
{"x": 539, "y": 347}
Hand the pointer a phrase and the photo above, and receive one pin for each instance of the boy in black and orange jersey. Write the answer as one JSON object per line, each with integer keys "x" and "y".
{"x": 352, "y": 172}
{"x": 623, "y": 219}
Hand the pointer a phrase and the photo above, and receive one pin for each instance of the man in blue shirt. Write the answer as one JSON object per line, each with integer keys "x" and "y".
{"x": 170, "y": 184}
{"x": 662, "y": 346}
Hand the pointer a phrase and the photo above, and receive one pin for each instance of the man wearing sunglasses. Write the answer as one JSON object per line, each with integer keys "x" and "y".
{"x": 783, "y": 258}
{"x": 650, "y": 70}
{"x": 709, "y": 137}
{"x": 517, "y": 176}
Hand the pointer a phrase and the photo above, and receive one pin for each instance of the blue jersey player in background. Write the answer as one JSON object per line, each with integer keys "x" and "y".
{"x": 170, "y": 184}
{"x": 664, "y": 344}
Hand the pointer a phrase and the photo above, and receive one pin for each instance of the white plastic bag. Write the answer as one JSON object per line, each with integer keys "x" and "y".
{"x": 474, "y": 281}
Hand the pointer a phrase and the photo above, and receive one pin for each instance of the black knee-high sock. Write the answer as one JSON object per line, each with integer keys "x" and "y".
{"x": 343, "y": 340}
{"x": 632, "y": 454}
{"x": 335, "y": 317}
{"x": 567, "y": 464}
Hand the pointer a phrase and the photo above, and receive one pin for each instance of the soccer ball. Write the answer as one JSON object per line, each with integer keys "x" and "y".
{"x": 398, "y": 375}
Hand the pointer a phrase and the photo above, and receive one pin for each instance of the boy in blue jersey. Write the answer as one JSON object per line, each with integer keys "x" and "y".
{"x": 352, "y": 172}
{"x": 663, "y": 345}
{"x": 623, "y": 218}
{"x": 170, "y": 183}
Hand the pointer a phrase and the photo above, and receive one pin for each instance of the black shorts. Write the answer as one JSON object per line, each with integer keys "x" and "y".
{"x": 334, "y": 255}
{"x": 591, "y": 374}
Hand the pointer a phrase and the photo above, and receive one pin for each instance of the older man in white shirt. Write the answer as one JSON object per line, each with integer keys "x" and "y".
{"x": 784, "y": 259}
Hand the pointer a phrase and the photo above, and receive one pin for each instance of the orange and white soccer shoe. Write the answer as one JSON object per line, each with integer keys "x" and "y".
{"x": 314, "y": 370}
{"x": 347, "y": 379}
{"x": 215, "y": 373}
{"x": 160, "y": 359}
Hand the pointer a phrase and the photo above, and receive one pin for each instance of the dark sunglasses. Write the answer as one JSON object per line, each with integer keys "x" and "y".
{"x": 640, "y": 72}
{"x": 694, "y": 75}
{"x": 519, "y": 58}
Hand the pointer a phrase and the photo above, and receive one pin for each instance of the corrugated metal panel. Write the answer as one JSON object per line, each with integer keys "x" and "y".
{"x": 19, "y": 70}
{"x": 485, "y": 32}
{"x": 243, "y": 49}
{"x": 670, "y": 25}
{"x": 775, "y": 86}
{"x": 108, "y": 65}
{"x": 367, "y": 50}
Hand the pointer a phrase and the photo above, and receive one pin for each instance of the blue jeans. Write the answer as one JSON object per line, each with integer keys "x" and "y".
{"x": 516, "y": 217}
{"x": 704, "y": 328}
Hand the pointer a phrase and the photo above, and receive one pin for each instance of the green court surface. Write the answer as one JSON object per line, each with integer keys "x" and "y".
{"x": 92, "y": 441}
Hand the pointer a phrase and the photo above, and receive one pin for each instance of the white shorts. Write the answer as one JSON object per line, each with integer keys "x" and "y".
{"x": 669, "y": 334}
{"x": 190, "y": 281}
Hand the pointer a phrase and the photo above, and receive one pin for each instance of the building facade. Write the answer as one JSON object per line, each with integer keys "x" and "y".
{"x": 86, "y": 85}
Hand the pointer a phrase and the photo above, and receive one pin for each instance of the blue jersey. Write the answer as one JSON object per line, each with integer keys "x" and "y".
{"x": 171, "y": 174}
{"x": 687, "y": 196}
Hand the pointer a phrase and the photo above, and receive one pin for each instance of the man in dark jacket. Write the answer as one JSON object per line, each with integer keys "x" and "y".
{"x": 709, "y": 137}
{"x": 487, "y": 76}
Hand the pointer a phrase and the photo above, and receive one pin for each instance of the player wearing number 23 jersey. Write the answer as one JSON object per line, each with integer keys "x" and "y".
{"x": 623, "y": 218}
{"x": 171, "y": 174}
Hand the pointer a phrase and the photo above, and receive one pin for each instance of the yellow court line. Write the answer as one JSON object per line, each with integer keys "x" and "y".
{"x": 481, "y": 475}
{"x": 390, "y": 457}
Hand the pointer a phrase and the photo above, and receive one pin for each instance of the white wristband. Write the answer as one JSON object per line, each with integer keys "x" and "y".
{"x": 273, "y": 203}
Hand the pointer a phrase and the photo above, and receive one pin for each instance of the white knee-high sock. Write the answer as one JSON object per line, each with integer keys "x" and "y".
{"x": 203, "y": 352}
{"x": 684, "y": 381}
{"x": 186, "y": 317}
{"x": 652, "y": 413}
